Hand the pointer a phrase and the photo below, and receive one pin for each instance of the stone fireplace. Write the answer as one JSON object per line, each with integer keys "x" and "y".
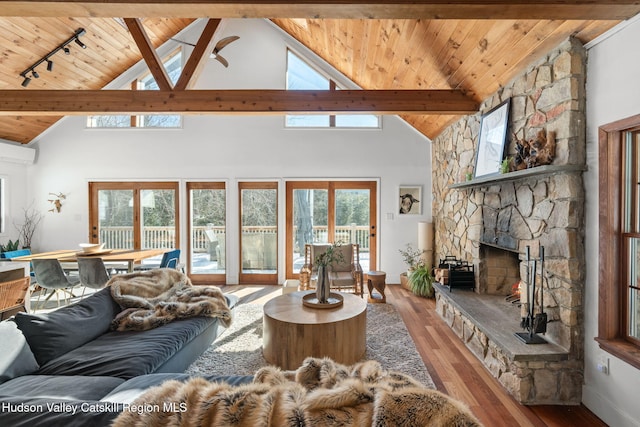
{"x": 490, "y": 222}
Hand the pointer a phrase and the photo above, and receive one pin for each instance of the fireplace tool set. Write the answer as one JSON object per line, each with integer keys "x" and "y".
{"x": 534, "y": 323}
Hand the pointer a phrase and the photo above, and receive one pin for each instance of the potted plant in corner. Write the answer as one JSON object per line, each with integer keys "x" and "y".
{"x": 411, "y": 257}
{"x": 421, "y": 281}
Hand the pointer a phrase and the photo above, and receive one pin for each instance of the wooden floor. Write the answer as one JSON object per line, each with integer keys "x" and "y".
{"x": 454, "y": 369}
{"x": 457, "y": 372}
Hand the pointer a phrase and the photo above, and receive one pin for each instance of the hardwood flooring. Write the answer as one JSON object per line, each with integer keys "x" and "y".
{"x": 454, "y": 369}
{"x": 457, "y": 372}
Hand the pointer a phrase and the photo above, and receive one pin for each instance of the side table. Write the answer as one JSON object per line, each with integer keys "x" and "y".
{"x": 376, "y": 280}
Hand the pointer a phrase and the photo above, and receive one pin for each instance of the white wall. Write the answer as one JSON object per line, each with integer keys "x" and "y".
{"x": 232, "y": 148}
{"x": 613, "y": 89}
{"x": 15, "y": 197}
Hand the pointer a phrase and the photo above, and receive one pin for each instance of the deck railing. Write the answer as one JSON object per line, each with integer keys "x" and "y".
{"x": 164, "y": 237}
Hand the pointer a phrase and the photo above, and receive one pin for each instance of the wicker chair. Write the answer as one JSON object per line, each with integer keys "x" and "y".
{"x": 13, "y": 297}
{"x": 343, "y": 276}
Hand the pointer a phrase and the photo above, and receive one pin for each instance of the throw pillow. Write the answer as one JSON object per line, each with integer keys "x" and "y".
{"x": 52, "y": 334}
{"x": 16, "y": 359}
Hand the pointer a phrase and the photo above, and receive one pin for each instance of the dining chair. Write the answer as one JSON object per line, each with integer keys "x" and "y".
{"x": 51, "y": 276}
{"x": 170, "y": 259}
{"x": 92, "y": 273}
{"x": 13, "y": 297}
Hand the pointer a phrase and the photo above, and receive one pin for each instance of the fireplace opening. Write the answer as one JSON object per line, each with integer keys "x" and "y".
{"x": 499, "y": 271}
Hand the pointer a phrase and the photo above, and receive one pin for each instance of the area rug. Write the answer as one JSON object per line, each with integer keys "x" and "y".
{"x": 238, "y": 350}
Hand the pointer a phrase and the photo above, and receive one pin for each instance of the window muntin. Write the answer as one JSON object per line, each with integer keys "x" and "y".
{"x": 173, "y": 67}
{"x": 631, "y": 234}
{"x": 302, "y": 76}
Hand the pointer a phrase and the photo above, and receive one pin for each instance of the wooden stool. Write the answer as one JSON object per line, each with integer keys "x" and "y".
{"x": 376, "y": 280}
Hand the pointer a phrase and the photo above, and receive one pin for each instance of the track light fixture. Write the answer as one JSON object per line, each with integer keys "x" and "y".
{"x": 61, "y": 47}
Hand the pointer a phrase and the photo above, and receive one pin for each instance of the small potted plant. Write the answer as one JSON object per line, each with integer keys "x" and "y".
{"x": 411, "y": 257}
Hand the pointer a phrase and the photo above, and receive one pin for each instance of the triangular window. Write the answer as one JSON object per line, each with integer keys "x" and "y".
{"x": 302, "y": 76}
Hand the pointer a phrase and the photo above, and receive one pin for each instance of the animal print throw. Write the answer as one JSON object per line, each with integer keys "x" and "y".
{"x": 319, "y": 393}
{"x": 153, "y": 298}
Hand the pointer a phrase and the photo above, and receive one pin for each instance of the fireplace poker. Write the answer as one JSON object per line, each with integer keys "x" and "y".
{"x": 540, "y": 320}
{"x": 524, "y": 323}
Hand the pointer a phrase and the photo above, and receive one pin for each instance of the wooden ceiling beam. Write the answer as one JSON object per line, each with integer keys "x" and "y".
{"x": 199, "y": 55}
{"x": 85, "y": 102}
{"x": 149, "y": 54}
{"x": 345, "y": 9}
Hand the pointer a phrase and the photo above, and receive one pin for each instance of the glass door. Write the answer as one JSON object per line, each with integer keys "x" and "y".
{"x": 330, "y": 211}
{"x": 258, "y": 232}
{"x": 134, "y": 215}
{"x": 206, "y": 259}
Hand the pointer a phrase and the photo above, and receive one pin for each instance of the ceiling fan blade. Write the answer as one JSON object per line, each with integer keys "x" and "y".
{"x": 183, "y": 42}
{"x": 223, "y": 42}
{"x": 220, "y": 59}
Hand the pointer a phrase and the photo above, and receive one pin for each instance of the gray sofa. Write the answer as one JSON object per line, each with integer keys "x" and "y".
{"x": 67, "y": 368}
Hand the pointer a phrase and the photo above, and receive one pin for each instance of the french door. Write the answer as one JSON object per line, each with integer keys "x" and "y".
{"x": 134, "y": 215}
{"x": 258, "y": 232}
{"x": 207, "y": 225}
{"x": 330, "y": 211}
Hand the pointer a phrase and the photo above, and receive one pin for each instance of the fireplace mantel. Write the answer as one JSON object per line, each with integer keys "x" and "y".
{"x": 516, "y": 175}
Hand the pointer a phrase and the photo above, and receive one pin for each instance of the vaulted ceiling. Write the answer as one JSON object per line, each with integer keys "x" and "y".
{"x": 429, "y": 61}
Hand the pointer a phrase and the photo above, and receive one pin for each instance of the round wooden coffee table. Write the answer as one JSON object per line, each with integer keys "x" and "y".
{"x": 293, "y": 332}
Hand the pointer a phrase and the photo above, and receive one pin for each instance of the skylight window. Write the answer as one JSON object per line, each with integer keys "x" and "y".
{"x": 302, "y": 76}
{"x": 173, "y": 66}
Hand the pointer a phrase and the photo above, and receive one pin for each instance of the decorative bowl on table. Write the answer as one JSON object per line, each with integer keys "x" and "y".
{"x": 90, "y": 248}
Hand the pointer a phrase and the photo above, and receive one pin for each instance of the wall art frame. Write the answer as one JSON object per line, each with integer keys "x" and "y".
{"x": 492, "y": 140}
{"x": 410, "y": 200}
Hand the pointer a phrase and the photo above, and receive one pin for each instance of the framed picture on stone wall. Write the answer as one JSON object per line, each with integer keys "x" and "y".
{"x": 409, "y": 201}
{"x": 493, "y": 137}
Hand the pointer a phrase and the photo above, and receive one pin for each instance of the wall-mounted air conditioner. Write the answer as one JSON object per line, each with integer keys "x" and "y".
{"x": 16, "y": 153}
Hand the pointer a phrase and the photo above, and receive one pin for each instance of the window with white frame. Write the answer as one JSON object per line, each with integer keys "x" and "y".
{"x": 173, "y": 66}
{"x": 302, "y": 76}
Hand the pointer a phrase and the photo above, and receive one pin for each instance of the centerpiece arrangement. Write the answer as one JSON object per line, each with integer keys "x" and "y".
{"x": 324, "y": 298}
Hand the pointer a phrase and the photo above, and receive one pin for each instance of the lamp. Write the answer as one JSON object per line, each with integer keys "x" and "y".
{"x": 61, "y": 47}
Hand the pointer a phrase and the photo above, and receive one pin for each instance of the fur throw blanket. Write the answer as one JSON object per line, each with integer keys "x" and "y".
{"x": 155, "y": 297}
{"x": 319, "y": 393}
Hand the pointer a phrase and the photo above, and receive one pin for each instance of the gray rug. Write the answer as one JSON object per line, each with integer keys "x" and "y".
{"x": 238, "y": 350}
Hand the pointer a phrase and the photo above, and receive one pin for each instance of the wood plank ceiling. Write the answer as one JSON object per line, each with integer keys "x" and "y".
{"x": 474, "y": 56}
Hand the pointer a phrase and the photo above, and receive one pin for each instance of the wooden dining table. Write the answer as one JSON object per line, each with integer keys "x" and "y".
{"x": 129, "y": 256}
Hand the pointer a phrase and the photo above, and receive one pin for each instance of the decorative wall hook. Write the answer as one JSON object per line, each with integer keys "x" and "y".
{"x": 56, "y": 201}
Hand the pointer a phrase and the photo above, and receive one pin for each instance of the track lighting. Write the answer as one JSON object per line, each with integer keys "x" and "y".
{"x": 62, "y": 47}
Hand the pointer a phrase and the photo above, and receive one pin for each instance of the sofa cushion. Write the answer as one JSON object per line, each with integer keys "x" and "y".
{"x": 16, "y": 358}
{"x": 52, "y": 334}
{"x": 128, "y": 354}
{"x": 60, "y": 387}
{"x": 133, "y": 388}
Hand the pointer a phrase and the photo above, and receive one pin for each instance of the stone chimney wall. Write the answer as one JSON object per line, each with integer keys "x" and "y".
{"x": 545, "y": 209}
